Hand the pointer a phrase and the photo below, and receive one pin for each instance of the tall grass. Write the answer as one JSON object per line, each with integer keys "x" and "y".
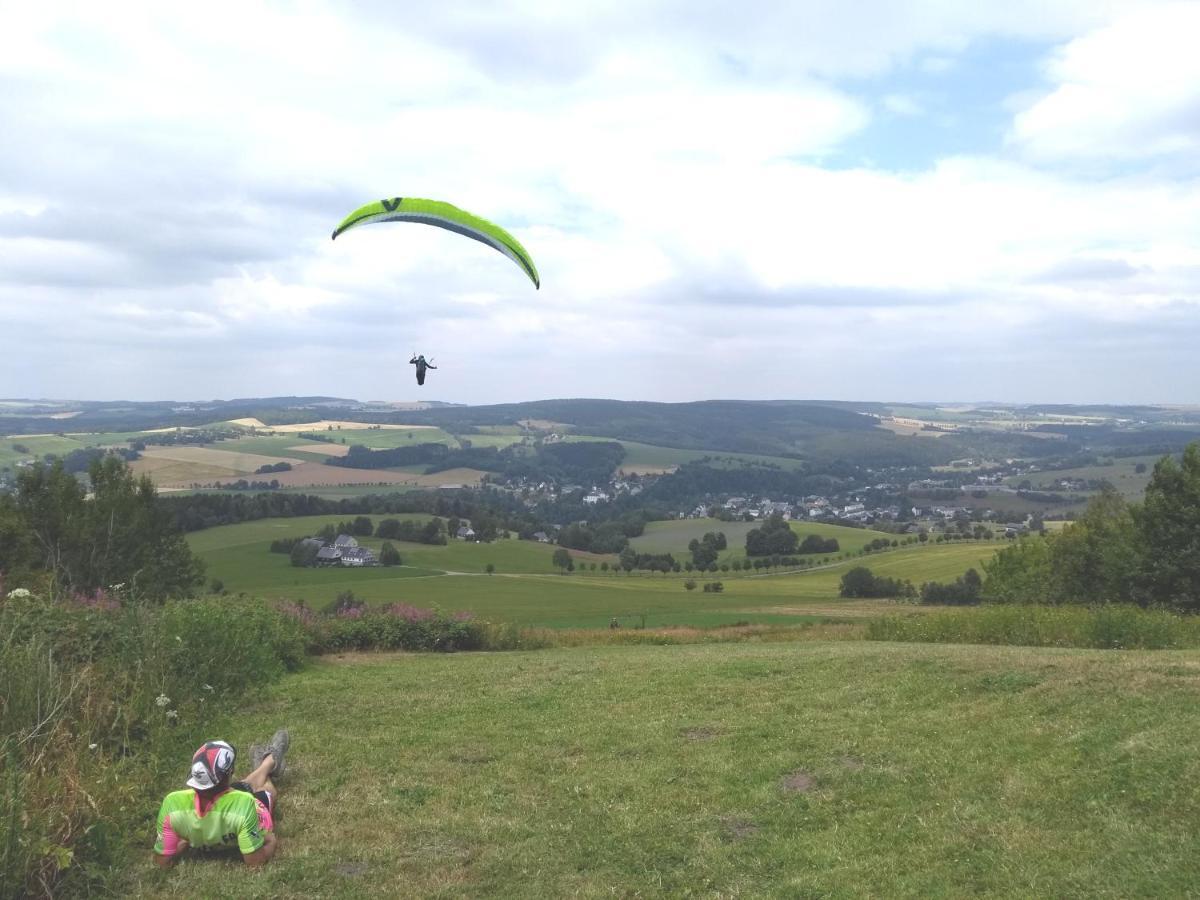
{"x": 99, "y": 699}
{"x": 1113, "y": 627}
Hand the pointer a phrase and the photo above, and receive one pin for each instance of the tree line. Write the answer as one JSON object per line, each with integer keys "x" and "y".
{"x": 1116, "y": 552}
{"x": 108, "y": 533}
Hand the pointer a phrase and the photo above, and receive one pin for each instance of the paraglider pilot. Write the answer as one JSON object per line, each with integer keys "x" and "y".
{"x": 422, "y": 365}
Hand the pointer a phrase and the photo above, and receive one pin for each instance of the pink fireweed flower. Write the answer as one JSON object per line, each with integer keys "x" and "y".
{"x": 410, "y": 613}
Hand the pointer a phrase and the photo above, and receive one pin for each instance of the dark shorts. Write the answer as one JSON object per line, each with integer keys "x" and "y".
{"x": 264, "y": 797}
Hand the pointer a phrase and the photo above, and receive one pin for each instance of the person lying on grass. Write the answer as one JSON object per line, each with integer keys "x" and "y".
{"x": 217, "y": 813}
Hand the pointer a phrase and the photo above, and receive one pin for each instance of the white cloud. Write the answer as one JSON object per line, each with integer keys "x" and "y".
{"x": 1129, "y": 89}
{"x": 170, "y": 179}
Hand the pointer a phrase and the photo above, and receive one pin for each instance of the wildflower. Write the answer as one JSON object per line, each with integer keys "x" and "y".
{"x": 162, "y": 700}
{"x": 178, "y": 638}
{"x": 19, "y": 594}
{"x": 93, "y": 746}
{"x": 172, "y": 714}
{"x": 207, "y": 687}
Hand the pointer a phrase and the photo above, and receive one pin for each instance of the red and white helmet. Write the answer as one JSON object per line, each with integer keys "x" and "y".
{"x": 212, "y": 765}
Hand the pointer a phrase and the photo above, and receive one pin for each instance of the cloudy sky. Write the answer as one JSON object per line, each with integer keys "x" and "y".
{"x": 884, "y": 199}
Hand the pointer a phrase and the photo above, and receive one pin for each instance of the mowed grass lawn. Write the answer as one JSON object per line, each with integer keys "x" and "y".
{"x": 845, "y": 769}
{"x": 524, "y": 591}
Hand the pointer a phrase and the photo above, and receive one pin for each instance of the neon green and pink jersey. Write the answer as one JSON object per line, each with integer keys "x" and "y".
{"x": 237, "y": 819}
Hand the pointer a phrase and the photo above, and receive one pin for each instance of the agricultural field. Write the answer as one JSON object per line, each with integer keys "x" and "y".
{"x": 526, "y": 591}
{"x": 1122, "y": 474}
{"x": 806, "y": 769}
{"x": 674, "y": 536}
{"x": 650, "y": 459}
{"x": 40, "y": 445}
{"x": 281, "y": 445}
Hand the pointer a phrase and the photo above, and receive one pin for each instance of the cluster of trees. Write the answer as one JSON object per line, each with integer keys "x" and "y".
{"x": 1116, "y": 552}
{"x": 243, "y": 485}
{"x": 585, "y": 462}
{"x": 79, "y": 461}
{"x": 83, "y": 540}
{"x": 192, "y": 512}
{"x": 432, "y": 531}
{"x": 285, "y": 545}
{"x": 191, "y": 436}
{"x": 630, "y": 559}
{"x": 862, "y": 582}
{"x": 273, "y": 467}
{"x": 607, "y": 537}
{"x": 774, "y": 538}
{"x": 706, "y": 550}
{"x": 963, "y": 591}
{"x": 814, "y": 543}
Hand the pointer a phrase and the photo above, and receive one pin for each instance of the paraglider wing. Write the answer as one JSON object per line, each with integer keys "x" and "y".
{"x": 442, "y": 215}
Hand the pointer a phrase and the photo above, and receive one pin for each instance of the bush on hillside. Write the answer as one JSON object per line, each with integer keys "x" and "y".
{"x": 860, "y": 582}
{"x": 1111, "y": 627}
{"x": 394, "y": 627}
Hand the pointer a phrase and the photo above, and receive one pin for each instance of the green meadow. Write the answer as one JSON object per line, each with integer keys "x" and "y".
{"x": 674, "y": 536}
{"x": 848, "y": 769}
{"x": 527, "y": 590}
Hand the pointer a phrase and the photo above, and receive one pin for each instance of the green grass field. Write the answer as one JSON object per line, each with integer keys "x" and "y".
{"x": 59, "y": 445}
{"x": 1122, "y": 474}
{"x": 524, "y": 591}
{"x": 847, "y": 769}
{"x": 651, "y": 456}
{"x": 674, "y": 536}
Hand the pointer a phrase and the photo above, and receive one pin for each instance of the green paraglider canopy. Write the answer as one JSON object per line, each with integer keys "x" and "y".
{"x": 442, "y": 215}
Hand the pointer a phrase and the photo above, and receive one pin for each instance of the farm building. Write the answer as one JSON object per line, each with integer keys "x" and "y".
{"x": 329, "y": 556}
{"x": 466, "y": 533}
{"x": 345, "y": 540}
{"x": 358, "y": 556}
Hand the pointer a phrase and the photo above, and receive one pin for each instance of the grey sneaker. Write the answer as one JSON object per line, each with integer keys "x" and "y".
{"x": 277, "y": 748}
{"x": 257, "y": 752}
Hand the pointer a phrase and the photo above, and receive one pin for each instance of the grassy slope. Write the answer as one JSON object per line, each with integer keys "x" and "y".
{"x": 933, "y": 772}
{"x": 653, "y": 456}
{"x": 524, "y": 592}
{"x": 673, "y": 537}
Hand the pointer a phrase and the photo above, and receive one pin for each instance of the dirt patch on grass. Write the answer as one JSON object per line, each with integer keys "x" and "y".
{"x": 699, "y": 733}
{"x": 852, "y": 763}
{"x": 799, "y": 782}
{"x": 352, "y": 869}
{"x": 734, "y": 829}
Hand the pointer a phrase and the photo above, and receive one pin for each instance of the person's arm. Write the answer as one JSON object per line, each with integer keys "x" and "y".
{"x": 169, "y": 845}
{"x": 165, "y": 862}
{"x": 263, "y": 854}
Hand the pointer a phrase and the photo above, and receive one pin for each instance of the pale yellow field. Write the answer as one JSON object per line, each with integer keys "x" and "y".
{"x": 185, "y": 466}
{"x": 327, "y": 449}
{"x": 325, "y": 424}
{"x": 170, "y": 474}
{"x": 907, "y": 427}
{"x": 314, "y": 474}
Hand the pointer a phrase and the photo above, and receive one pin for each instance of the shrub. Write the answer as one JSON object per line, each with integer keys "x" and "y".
{"x": 1112, "y": 627}
{"x": 395, "y": 627}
